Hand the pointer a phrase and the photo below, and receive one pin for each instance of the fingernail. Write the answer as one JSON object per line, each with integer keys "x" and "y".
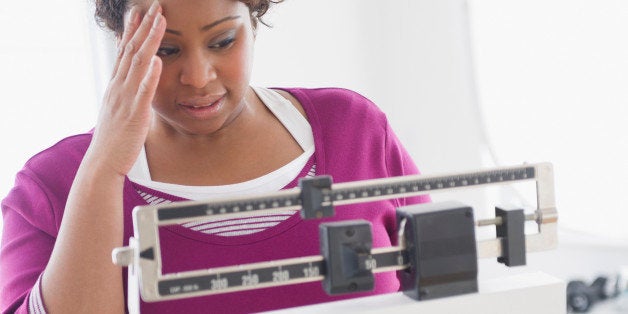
{"x": 129, "y": 19}
{"x": 153, "y": 7}
{"x": 157, "y": 20}
{"x": 135, "y": 16}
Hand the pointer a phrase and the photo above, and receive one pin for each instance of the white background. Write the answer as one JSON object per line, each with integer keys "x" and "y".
{"x": 465, "y": 84}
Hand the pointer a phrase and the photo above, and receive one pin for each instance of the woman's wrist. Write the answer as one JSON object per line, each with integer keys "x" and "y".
{"x": 99, "y": 167}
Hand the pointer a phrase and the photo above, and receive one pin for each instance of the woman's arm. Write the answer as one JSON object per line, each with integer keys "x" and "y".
{"x": 80, "y": 276}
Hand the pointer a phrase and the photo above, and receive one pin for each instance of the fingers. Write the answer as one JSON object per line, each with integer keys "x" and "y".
{"x": 141, "y": 47}
{"x": 129, "y": 29}
{"x": 142, "y": 59}
{"x": 148, "y": 85}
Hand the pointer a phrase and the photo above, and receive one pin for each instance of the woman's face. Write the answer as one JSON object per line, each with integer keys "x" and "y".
{"x": 207, "y": 55}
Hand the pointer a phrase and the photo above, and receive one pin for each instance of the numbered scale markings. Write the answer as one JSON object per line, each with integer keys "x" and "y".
{"x": 254, "y": 276}
{"x": 144, "y": 251}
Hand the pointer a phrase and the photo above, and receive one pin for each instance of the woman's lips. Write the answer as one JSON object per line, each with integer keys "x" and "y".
{"x": 201, "y": 101}
{"x": 202, "y": 108}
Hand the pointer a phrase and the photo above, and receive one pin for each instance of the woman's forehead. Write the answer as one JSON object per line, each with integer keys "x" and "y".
{"x": 174, "y": 6}
{"x": 145, "y": 4}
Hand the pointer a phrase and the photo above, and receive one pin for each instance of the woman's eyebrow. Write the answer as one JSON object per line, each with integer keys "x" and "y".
{"x": 208, "y": 26}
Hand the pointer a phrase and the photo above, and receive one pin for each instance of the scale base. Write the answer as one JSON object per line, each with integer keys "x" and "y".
{"x": 532, "y": 292}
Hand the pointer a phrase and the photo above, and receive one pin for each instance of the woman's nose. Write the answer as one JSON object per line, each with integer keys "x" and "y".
{"x": 197, "y": 70}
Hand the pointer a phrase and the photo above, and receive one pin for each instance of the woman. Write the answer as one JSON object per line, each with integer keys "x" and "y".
{"x": 180, "y": 121}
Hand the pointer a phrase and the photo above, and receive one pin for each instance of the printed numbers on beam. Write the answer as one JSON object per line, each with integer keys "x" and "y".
{"x": 281, "y": 275}
{"x": 219, "y": 284}
{"x": 250, "y": 280}
{"x": 311, "y": 272}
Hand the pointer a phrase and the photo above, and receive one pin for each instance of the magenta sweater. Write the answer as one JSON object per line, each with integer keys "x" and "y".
{"x": 353, "y": 141}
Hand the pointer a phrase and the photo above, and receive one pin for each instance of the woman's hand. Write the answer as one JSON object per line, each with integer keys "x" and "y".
{"x": 125, "y": 115}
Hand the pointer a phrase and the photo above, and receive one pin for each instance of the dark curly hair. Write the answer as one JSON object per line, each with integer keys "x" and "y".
{"x": 110, "y": 13}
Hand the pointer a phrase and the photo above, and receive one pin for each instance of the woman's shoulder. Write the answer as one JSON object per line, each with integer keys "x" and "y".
{"x": 333, "y": 94}
{"x": 42, "y": 186}
{"x": 337, "y": 102}
{"x": 62, "y": 157}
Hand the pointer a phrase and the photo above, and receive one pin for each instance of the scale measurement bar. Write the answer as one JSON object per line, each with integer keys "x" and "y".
{"x": 344, "y": 193}
{"x": 143, "y": 255}
{"x": 271, "y": 274}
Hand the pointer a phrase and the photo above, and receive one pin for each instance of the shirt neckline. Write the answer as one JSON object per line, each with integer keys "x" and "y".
{"x": 293, "y": 121}
{"x": 224, "y": 240}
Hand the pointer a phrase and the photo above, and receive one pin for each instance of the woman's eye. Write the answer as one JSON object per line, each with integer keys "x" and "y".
{"x": 223, "y": 43}
{"x": 166, "y": 51}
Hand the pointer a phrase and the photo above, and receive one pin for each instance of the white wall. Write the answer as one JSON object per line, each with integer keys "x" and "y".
{"x": 46, "y": 79}
{"x": 552, "y": 77}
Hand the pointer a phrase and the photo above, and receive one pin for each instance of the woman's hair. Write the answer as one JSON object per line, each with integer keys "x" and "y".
{"x": 110, "y": 13}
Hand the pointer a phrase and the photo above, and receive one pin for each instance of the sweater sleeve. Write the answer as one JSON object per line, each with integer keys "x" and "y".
{"x": 28, "y": 237}
{"x": 399, "y": 163}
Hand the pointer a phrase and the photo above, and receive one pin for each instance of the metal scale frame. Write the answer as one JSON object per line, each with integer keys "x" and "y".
{"x": 316, "y": 198}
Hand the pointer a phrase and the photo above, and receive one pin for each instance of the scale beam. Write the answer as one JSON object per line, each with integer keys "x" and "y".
{"x": 143, "y": 254}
